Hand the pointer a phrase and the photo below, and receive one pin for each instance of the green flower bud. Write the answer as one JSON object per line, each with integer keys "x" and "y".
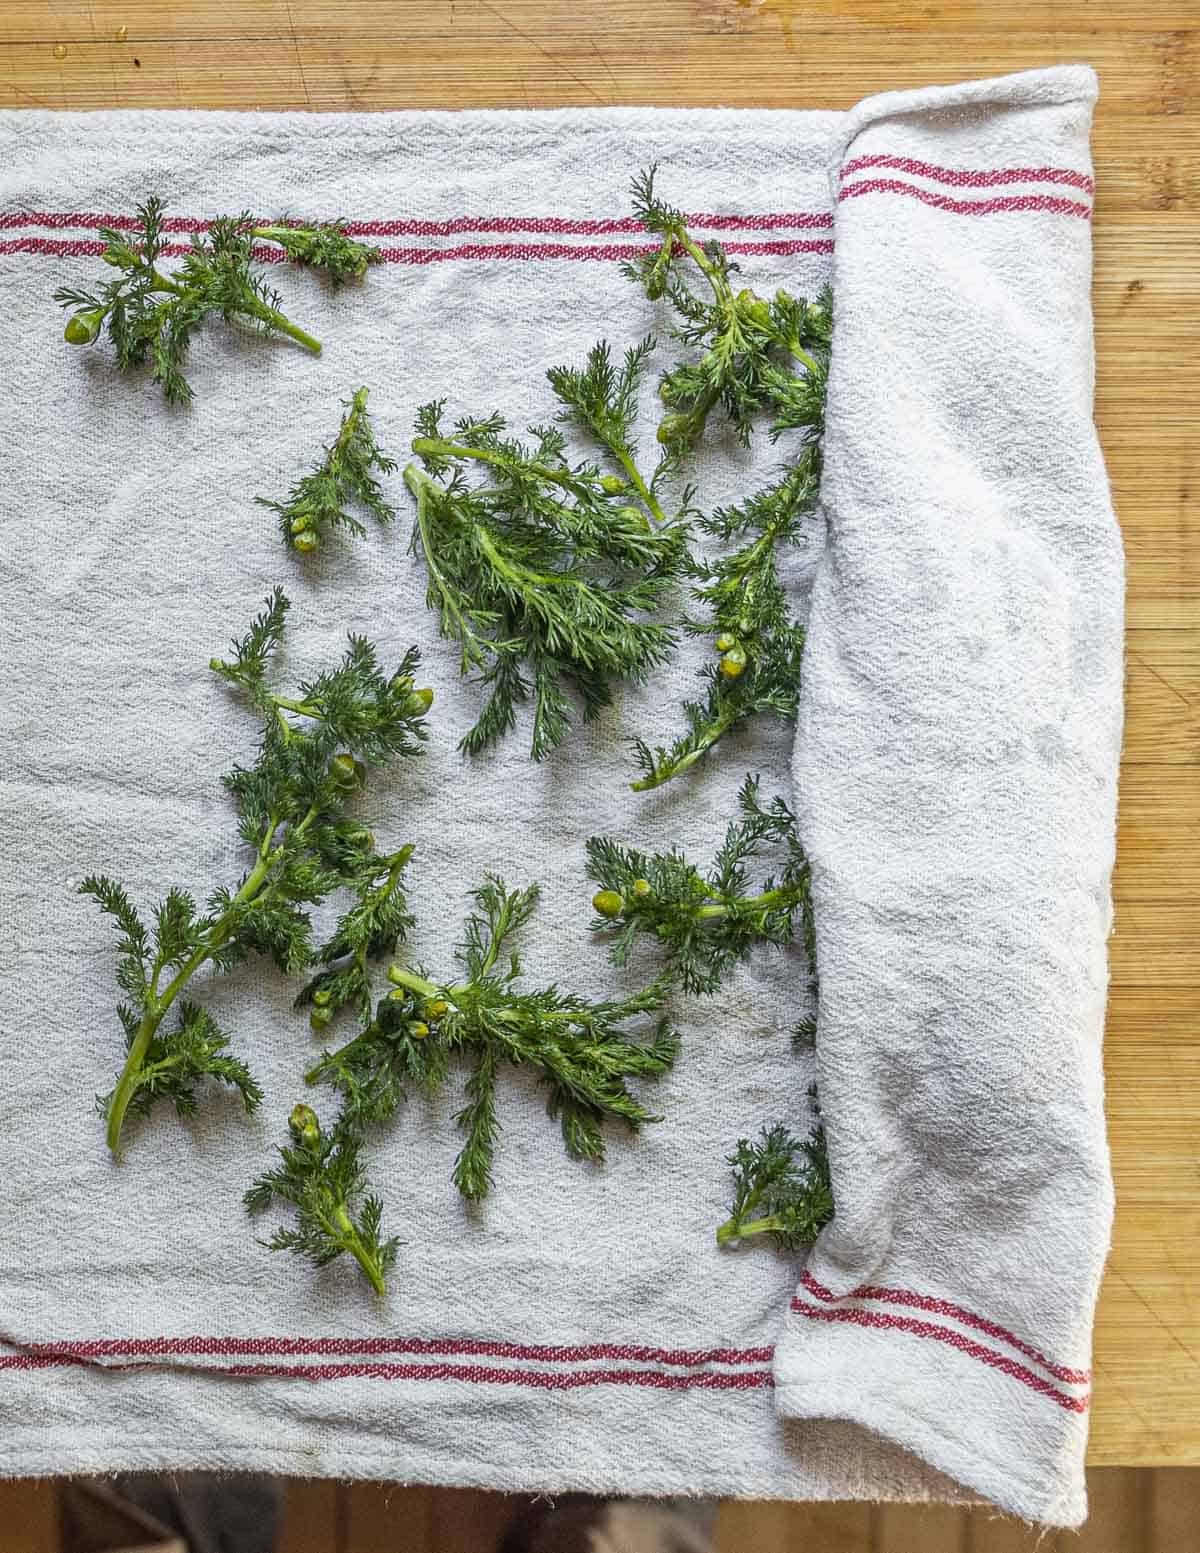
{"x": 400, "y": 683}
{"x": 419, "y": 702}
{"x": 633, "y": 516}
{"x": 318, "y": 1019}
{"x": 754, "y": 309}
{"x": 418, "y": 1029}
{"x": 304, "y": 1125}
{"x": 675, "y": 428}
{"x": 398, "y": 995}
{"x": 724, "y": 642}
{"x": 305, "y": 542}
{"x": 343, "y": 768}
{"x": 745, "y": 625}
{"x": 83, "y": 328}
{"x": 301, "y": 522}
{"x": 608, "y": 903}
{"x": 733, "y": 663}
{"x": 216, "y": 664}
{"x": 322, "y": 996}
{"x": 120, "y": 259}
{"x": 612, "y": 485}
{"x": 435, "y": 1008}
{"x": 642, "y": 888}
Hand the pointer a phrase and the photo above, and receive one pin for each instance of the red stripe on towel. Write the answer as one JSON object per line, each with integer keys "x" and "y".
{"x": 562, "y": 226}
{"x": 979, "y": 178}
{"x": 941, "y": 1307}
{"x": 545, "y": 1380}
{"x": 71, "y": 248}
{"x": 332, "y": 1347}
{"x": 880, "y": 1321}
{"x": 1053, "y": 203}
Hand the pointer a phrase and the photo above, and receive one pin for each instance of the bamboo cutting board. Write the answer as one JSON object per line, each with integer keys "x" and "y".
{"x": 328, "y": 55}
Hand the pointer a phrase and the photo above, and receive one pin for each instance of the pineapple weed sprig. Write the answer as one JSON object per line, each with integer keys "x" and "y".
{"x": 292, "y": 811}
{"x": 782, "y": 1188}
{"x": 705, "y": 922}
{"x": 751, "y": 349}
{"x": 544, "y": 575}
{"x": 319, "y": 501}
{"x": 321, "y": 1176}
{"x": 583, "y": 1051}
{"x": 151, "y": 317}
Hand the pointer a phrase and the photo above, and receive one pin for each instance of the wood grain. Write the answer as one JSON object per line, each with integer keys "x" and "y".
{"x": 359, "y": 54}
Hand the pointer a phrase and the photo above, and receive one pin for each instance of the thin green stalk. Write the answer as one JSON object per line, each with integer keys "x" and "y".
{"x": 441, "y": 447}
{"x": 639, "y": 485}
{"x": 270, "y": 315}
{"x": 762, "y": 902}
{"x": 420, "y": 484}
{"x": 342, "y": 1228}
{"x": 399, "y": 977}
{"x": 715, "y": 731}
{"x": 733, "y": 1230}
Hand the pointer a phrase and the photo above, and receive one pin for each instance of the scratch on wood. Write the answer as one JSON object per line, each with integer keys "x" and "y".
{"x": 544, "y": 51}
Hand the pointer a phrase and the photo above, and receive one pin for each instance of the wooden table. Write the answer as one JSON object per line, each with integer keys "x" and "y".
{"x": 364, "y": 54}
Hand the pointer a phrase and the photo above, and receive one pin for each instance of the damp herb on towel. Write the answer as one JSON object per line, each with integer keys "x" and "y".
{"x": 746, "y": 615}
{"x": 705, "y": 922}
{"x": 750, "y": 349}
{"x": 293, "y": 805}
{"x": 546, "y": 573}
{"x": 321, "y": 1176}
{"x": 585, "y": 1052}
{"x": 327, "y": 247}
{"x": 345, "y": 477}
{"x": 782, "y": 1189}
{"x": 748, "y": 356}
{"x": 151, "y": 316}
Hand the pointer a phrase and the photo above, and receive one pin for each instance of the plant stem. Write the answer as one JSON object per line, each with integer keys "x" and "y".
{"x": 762, "y": 902}
{"x": 738, "y": 1229}
{"x": 340, "y": 1227}
{"x": 712, "y": 733}
{"x": 402, "y": 978}
{"x": 440, "y": 447}
{"x": 626, "y": 462}
{"x": 422, "y": 487}
{"x": 801, "y": 356}
{"x": 253, "y": 306}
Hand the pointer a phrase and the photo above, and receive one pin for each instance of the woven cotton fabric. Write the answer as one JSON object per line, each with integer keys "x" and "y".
{"x": 582, "y": 1331}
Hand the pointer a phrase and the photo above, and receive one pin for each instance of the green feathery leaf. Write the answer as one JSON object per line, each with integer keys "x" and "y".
{"x": 705, "y": 922}
{"x": 545, "y": 577}
{"x": 321, "y": 1176}
{"x": 327, "y": 246}
{"x": 746, "y": 342}
{"x": 320, "y": 501}
{"x": 782, "y": 1188}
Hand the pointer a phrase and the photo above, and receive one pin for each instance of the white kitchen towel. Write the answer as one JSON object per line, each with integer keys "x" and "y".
{"x": 956, "y": 760}
{"x": 583, "y": 1331}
